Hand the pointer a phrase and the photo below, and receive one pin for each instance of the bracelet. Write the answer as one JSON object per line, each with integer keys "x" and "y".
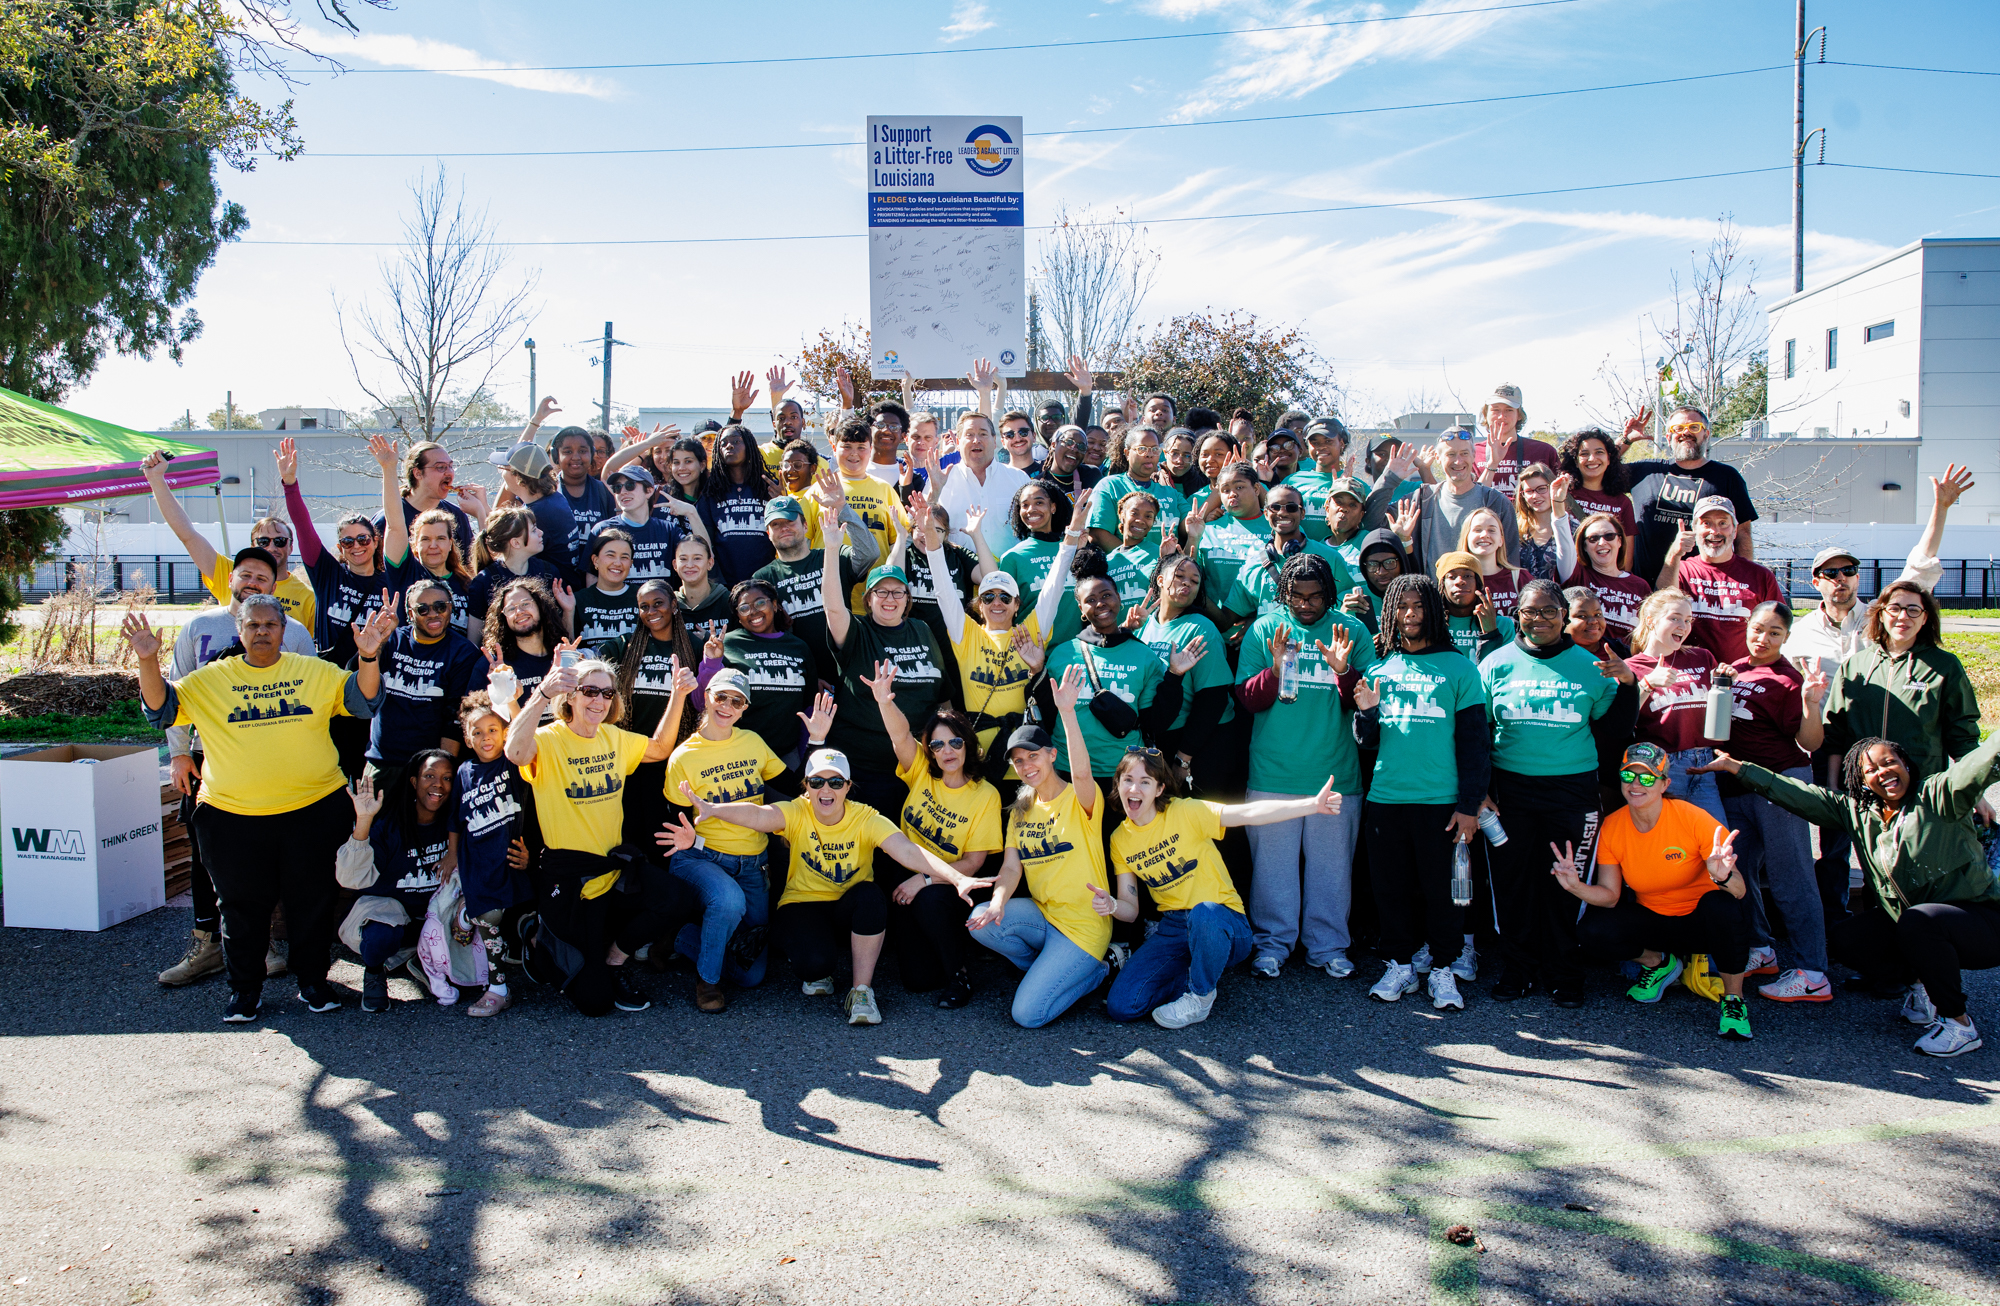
{"x": 815, "y": 743}
{"x": 359, "y": 658}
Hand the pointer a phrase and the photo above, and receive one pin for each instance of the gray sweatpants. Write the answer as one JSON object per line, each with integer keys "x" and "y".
{"x": 1302, "y": 880}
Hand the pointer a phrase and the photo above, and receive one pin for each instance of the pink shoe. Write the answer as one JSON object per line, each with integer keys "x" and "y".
{"x": 490, "y": 1004}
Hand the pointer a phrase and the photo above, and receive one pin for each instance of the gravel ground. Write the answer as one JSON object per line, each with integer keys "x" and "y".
{"x": 1303, "y": 1145}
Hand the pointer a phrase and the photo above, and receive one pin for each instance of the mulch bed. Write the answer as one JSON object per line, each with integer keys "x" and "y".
{"x": 66, "y": 693}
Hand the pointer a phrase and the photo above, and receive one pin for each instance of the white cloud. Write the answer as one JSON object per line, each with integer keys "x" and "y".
{"x": 390, "y": 50}
{"x": 968, "y": 18}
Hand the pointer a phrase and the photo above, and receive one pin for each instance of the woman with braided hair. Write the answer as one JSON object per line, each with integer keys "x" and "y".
{"x": 1934, "y": 909}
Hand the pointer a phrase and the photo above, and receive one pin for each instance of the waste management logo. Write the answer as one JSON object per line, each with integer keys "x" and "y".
{"x": 990, "y": 151}
{"x": 50, "y": 845}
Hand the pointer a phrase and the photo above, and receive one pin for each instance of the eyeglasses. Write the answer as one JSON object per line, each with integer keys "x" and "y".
{"x": 1612, "y": 538}
{"x": 1842, "y": 572}
{"x": 939, "y": 745}
{"x": 825, "y": 782}
{"x": 429, "y": 609}
{"x": 1910, "y": 610}
{"x": 605, "y": 692}
{"x": 1381, "y": 564}
{"x": 1687, "y": 428}
{"x": 271, "y": 541}
{"x": 356, "y": 541}
{"x": 1542, "y": 614}
{"x": 1644, "y": 779}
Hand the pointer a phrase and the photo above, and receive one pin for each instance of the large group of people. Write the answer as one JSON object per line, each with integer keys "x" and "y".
{"x": 1492, "y": 707}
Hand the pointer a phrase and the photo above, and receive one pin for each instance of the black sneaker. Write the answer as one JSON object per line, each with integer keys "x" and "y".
{"x": 319, "y": 998}
{"x": 957, "y": 992}
{"x": 625, "y": 994}
{"x": 374, "y": 991}
{"x": 1512, "y": 987}
{"x": 243, "y": 1008}
{"x": 1569, "y": 997}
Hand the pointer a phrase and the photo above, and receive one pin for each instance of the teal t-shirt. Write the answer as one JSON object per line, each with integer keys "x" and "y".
{"x": 1313, "y": 486}
{"x": 1131, "y": 570}
{"x": 1028, "y": 563}
{"x": 1104, "y": 508}
{"x": 1465, "y": 632}
{"x": 1132, "y": 671}
{"x": 1254, "y": 593}
{"x": 1227, "y": 543}
{"x": 1294, "y": 747}
{"x": 1349, "y": 551}
{"x": 1541, "y": 709}
{"x": 1422, "y": 696}
{"x": 1163, "y": 637}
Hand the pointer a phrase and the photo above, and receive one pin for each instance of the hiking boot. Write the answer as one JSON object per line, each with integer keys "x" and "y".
{"x": 709, "y": 997}
{"x": 204, "y": 958}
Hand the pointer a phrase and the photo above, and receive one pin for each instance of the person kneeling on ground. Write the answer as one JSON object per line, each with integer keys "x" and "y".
{"x": 398, "y": 862}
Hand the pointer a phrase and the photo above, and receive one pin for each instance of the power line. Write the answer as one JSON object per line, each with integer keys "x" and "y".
{"x": 1904, "y": 68}
{"x": 1921, "y": 172}
{"x": 972, "y": 49}
{"x": 1201, "y": 217}
{"x": 1080, "y": 131}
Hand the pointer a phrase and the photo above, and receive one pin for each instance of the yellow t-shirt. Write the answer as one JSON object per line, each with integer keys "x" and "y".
{"x": 292, "y": 591}
{"x": 731, "y": 770}
{"x": 264, "y": 732}
{"x": 992, "y": 676}
{"x": 579, "y": 789}
{"x": 1062, "y": 854}
{"x": 826, "y": 859}
{"x": 774, "y": 454}
{"x": 876, "y": 504}
{"x": 1174, "y": 854}
{"x": 947, "y": 822}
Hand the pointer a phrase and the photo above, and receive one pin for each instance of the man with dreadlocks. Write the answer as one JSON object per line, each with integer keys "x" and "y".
{"x": 1935, "y": 906}
{"x": 1301, "y": 733}
{"x": 1425, "y": 709}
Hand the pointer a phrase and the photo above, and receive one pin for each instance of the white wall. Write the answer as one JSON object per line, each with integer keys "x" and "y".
{"x": 1864, "y": 394}
{"x": 1961, "y": 370}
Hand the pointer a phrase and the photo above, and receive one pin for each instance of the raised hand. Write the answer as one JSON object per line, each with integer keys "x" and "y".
{"x": 371, "y": 634}
{"x": 367, "y": 801}
{"x": 144, "y": 640}
{"x": 1404, "y": 523}
{"x": 546, "y": 409}
{"x": 565, "y": 596}
{"x": 832, "y": 495}
{"x": 983, "y": 374}
{"x": 1955, "y": 482}
{"x": 1078, "y": 374}
{"x": 1684, "y": 545}
{"x": 1366, "y": 695}
{"x": 843, "y": 381}
{"x": 383, "y": 450}
{"x": 288, "y": 461}
{"x": 1722, "y": 855}
{"x": 1070, "y": 688}
{"x": 975, "y": 517}
{"x": 821, "y": 719}
{"x": 1336, "y": 649}
{"x": 1484, "y": 611}
{"x": 1402, "y": 462}
{"x": 685, "y": 681}
{"x": 677, "y": 835}
{"x": 1329, "y": 801}
{"x": 1559, "y": 489}
{"x": 742, "y": 393}
{"x": 1635, "y": 426}
{"x": 1815, "y": 684}
{"x": 154, "y": 466}
{"x": 711, "y": 649}
{"x": 495, "y": 662}
{"x": 776, "y": 382}
{"x": 1564, "y": 868}
{"x": 883, "y": 686}
{"x": 1142, "y": 612}
{"x": 559, "y": 681}
{"x": 1187, "y": 655}
{"x": 1026, "y": 649}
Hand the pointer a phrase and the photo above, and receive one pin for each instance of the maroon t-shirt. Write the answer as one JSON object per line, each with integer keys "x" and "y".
{"x": 1723, "y": 596}
{"x": 1525, "y": 451}
{"x": 1672, "y": 714}
{"x": 1770, "y": 706}
{"x": 1619, "y": 596}
{"x": 1584, "y": 502}
{"x": 1505, "y": 587}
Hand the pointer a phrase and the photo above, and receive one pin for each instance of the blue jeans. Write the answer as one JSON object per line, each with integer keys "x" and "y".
{"x": 1187, "y": 954}
{"x": 731, "y": 889}
{"x": 1774, "y": 848}
{"x": 1058, "y": 972}
{"x": 1697, "y": 789}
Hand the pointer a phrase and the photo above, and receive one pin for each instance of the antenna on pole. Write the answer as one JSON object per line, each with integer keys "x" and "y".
{"x": 1799, "y": 143}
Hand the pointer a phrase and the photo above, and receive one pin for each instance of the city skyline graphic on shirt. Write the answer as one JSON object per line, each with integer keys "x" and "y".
{"x": 587, "y": 788}
{"x": 772, "y": 672}
{"x": 1164, "y": 873}
{"x": 403, "y": 686}
{"x": 1008, "y": 672}
{"x": 840, "y": 873}
{"x": 1536, "y": 701}
{"x": 938, "y": 834}
{"x": 284, "y": 707}
{"x": 1044, "y": 848}
{"x": 489, "y": 808}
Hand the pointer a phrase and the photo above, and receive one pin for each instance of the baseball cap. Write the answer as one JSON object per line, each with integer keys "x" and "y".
{"x": 527, "y": 460}
{"x": 1332, "y": 426}
{"x": 1645, "y": 757}
{"x": 1450, "y": 562}
{"x": 634, "y": 471}
{"x": 264, "y": 556}
{"x": 1828, "y": 554}
{"x": 1031, "y": 737}
{"x": 783, "y": 508}
{"x": 999, "y": 580}
{"x": 1506, "y": 393}
{"x": 707, "y": 425}
{"x": 730, "y": 679}
{"x": 1713, "y": 503}
{"x": 828, "y": 759}
{"x": 880, "y": 574}
{"x": 1351, "y": 486}
{"x": 1285, "y": 433}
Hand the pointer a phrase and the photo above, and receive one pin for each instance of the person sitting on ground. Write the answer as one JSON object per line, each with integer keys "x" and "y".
{"x": 402, "y": 858}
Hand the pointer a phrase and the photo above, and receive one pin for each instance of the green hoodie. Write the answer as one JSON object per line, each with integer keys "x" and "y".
{"x": 1929, "y": 853}
{"x": 1922, "y": 699}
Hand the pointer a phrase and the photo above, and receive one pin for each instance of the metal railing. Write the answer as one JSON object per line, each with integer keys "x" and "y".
{"x": 173, "y": 578}
{"x": 1966, "y": 583}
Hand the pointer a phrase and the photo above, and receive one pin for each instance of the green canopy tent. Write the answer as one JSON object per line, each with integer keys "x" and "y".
{"x": 50, "y": 457}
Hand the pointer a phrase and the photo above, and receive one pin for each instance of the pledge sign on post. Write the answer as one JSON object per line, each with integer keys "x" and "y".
{"x": 947, "y": 265}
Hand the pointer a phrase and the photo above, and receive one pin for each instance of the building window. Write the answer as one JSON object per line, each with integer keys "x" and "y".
{"x": 1880, "y": 331}
{"x": 1791, "y": 359}
{"x": 1832, "y": 348}
{"x": 308, "y": 423}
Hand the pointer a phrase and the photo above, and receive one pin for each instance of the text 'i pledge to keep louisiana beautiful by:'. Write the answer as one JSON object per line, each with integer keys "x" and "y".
{"x": 947, "y": 263}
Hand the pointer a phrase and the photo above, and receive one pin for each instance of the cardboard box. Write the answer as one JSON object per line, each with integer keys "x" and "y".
{"x": 80, "y": 844}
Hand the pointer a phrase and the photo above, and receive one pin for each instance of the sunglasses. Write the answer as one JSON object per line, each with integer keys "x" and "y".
{"x": 1644, "y": 779}
{"x": 939, "y": 745}
{"x": 270, "y": 541}
{"x": 731, "y": 700}
{"x": 429, "y": 609}
{"x": 620, "y": 484}
{"x": 605, "y": 692}
{"x": 1831, "y": 572}
{"x": 356, "y": 541}
{"x": 1284, "y": 507}
{"x": 995, "y": 596}
{"x": 825, "y": 782}
{"x": 1612, "y": 538}
{"x": 1141, "y": 748}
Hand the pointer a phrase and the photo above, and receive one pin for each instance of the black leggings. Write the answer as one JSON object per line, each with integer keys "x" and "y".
{"x": 1535, "y": 914}
{"x": 929, "y": 934}
{"x": 1719, "y": 925}
{"x": 1931, "y": 943}
{"x": 1409, "y": 864}
{"x": 260, "y": 861}
{"x": 815, "y": 934}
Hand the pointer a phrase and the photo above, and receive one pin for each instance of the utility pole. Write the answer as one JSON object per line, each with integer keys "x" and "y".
{"x": 606, "y": 357}
{"x": 229, "y": 410}
{"x": 1799, "y": 143}
{"x": 531, "y": 377}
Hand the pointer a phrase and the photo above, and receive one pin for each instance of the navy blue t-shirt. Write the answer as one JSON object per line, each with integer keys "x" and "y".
{"x": 736, "y": 525}
{"x": 461, "y": 525}
{"x": 421, "y": 688}
{"x": 407, "y": 869}
{"x": 558, "y": 525}
{"x": 340, "y": 599}
{"x": 594, "y": 505}
{"x": 479, "y": 590}
{"x": 652, "y": 545}
{"x": 495, "y": 807}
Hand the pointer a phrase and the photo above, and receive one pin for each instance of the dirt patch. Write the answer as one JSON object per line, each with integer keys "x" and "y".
{"x": 67, "y": 693}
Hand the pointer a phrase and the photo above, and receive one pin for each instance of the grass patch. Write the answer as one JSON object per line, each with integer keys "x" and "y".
{"x": 124, "y": 723}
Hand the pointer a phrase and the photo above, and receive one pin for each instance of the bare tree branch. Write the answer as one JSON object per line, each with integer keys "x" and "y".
{"x": 1093, "y": 278}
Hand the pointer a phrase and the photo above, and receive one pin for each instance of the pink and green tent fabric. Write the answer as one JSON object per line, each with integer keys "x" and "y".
{"x": 50, "y": 457}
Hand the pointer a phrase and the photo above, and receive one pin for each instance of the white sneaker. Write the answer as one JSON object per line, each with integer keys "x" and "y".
{"x": 1918, "y": 1008}
{"x": 817, "y": 988}
{"x": 1117, "y": 955}
{"x": 1948, "y": 1038}
{"x": 1444, "y": 990}
{"x": 1763, "y": 961}
{"x": 1798, "y": 986}
{"x": 1338, "y": 966}
{"x": 1395, "y": 982}
{"x": 1187, "y": 1009}
{"x": 1264, "y": 967}
{"x": 1421, "y": 963}
{"x": 1467, "y": 965}
{"x": 861, "y": 1008}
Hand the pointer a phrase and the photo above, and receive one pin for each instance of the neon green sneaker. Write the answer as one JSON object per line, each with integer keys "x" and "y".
{"x": 1735, "y": 1017}
{"x": 1653, "y": 980}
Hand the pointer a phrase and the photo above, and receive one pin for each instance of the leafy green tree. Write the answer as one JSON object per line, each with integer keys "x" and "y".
{"x": 222, "y": 420}
{"x": 1745, "y": 398}
{"x": 1227, "y": 361}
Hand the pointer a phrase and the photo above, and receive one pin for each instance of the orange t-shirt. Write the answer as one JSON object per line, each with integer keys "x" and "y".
{"x": 1667, "y": 866}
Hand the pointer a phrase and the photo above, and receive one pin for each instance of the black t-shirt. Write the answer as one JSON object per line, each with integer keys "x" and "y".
{"x": 421, "y": 688}
{"x": 736, "y": 525}
{"x": 495, "y": 807}
{"x": 920, "y": 686}
{"x": 652, "y": 686}
{"x": 713, "y": 616}
{"x": 531, "y": 669}
{"x": 479, "y": 590}
{"x": 782, "y": 674}
{"x": 962, "y": 563}
{"x": 1663, "y": 499}
{"x": 798, "y": 590}
{"x": 594, "y": 505}
{"x": 340, "y": 599}
{"x": 410, "y": 572}
{"x": 408, "y": 868}
{"x": 652, "y": 545}
{"x": 602, "y": 617}
{"x": 1084, "y": 472}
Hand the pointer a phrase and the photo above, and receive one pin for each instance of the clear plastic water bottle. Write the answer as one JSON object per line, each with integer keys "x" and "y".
{"x": 1288, "y": 675}
{"x": 1489, "y": 824}
{"x": 1461, "y": 873}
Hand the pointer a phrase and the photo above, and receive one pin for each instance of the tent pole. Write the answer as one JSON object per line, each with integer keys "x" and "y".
{"x": 222, "y": 519}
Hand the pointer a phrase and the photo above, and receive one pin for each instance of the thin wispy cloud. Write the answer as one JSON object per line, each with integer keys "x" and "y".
{"x": 389, "y": 50}
{"x": 968, "y": 19}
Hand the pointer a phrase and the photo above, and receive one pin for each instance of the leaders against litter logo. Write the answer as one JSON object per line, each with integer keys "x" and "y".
{"x": 990, "y": 151}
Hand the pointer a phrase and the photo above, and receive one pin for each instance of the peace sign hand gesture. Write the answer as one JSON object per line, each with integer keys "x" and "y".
{"x": 1142, "y": 612}
{"x": 1484, "y": 611}
{"x": 1565, "y": 869}
{"x": 1722, "y": 856}
{"x": 711, "y": 649}
{"x": 370, "y": 635}
{"x": 1815, "y": 684}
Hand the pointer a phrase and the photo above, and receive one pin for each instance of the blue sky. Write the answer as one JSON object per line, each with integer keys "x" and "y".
{"x": 1435, "y": 300}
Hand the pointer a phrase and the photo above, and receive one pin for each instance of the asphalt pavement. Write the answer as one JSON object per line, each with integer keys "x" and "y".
{"x": 1303, "y": 1145}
